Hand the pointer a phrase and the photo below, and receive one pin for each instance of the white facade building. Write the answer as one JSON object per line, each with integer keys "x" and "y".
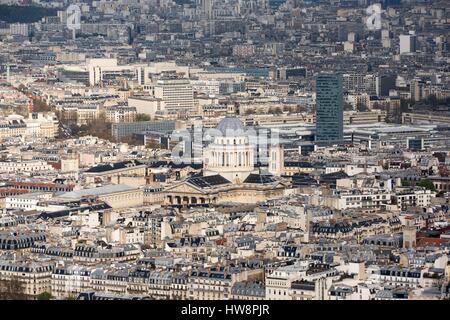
{"x": 24, "y": 166}
{"x": 407, "y": 43}
{"x": 230, "y": 155}
{"x": 176, "y": 95}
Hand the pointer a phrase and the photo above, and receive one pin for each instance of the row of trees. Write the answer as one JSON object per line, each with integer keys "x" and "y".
{"x": 277, "y": 110}
{"x": 142, "y": 117}
{"x": 12, "y": 290}
{"x": 424, "y": 183}
{"x": 99, "y": 127}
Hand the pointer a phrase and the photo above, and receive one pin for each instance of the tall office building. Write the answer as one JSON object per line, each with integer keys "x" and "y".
{"x": 408, "y": 43}
{"x": 177, "y": 95}
{"x": 415, "y": 89}
{"x": 384, "y": 84}
{"x": 329, "y": 108}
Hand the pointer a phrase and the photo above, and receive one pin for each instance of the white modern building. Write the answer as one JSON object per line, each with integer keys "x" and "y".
{"x": 176, "y": 95}
{"x": 408, "y": 43}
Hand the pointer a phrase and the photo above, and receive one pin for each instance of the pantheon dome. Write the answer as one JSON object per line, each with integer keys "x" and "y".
{"x": 230, "y": 155}
{"x": 231, "y": 126}
{"x": 229, "y": 173}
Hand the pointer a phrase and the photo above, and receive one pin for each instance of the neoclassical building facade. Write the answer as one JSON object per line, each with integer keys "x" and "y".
{"x": 231, "y": 155}
{"x": 229, "y": 174}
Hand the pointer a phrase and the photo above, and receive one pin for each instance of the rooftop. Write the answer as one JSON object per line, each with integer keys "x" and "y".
{"x": 96, "y": 191}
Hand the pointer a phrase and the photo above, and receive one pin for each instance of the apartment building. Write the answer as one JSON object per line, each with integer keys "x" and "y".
{"x": 278, "y": 282}
{"x": 397, "y": 276}
{"x": 369, "y": 199}
{"x": 119, "y": 114}
{"x": 310, "y": 289}
{"x": 70, "y": 281}
{"x": 215, "y": 283}
{"x": 413, "y": 198}
{"x": 248, "y": 290}
{"x": 34, "y": 277}
{"x": 24, "y": 166}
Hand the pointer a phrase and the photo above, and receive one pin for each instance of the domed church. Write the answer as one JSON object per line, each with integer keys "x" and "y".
{"x": 230, "y": 154}
{"x": 229, "y": 173}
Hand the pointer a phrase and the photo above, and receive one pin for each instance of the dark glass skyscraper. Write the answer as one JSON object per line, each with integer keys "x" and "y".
{"x": 329, "y": 108}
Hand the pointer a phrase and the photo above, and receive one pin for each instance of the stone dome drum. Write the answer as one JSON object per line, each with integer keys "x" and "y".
{"x": 230, "y": 155}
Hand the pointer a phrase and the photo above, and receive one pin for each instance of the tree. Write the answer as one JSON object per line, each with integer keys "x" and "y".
{"x": 99, "y": 127}
{"x": 142, "y": 117}
{"x": 12, "y": 289}
{"x": 286, "y": 109}
{"x": 40, "y": 106}
{"x": 44, "y": 296}
{"x": 153, "y": 144}
{"x": 361, "y": 107}
{"x": 131, "y": 140}
{"x": 404, "y": 105}
{"x": 249, "y": 111}
{"x": 406, "y": 183}
{"x": 427, "y": 184}
{"x": 444, "y": 171}
{"x": 348, "y": 106}
{"x": 21, "y": 110}
{"x": 22, "y": 88}
{"x": 275, "y": 110}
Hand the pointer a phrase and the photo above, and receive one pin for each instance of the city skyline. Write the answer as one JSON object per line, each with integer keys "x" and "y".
{"x": 239, "y": 151}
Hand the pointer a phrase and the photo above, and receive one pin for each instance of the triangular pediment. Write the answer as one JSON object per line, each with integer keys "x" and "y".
{"x": 184, "y": 187}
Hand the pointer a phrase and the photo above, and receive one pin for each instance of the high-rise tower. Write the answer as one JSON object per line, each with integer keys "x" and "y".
{"x": 329, "y": 108}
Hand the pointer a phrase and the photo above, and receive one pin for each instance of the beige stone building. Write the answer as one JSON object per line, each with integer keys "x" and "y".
{"x": 118, "y": 114}
{"x": 216, "y": 189}
{"x": 228, "y": 175}
{"x": 216, "y": 283}
{"x": 34, "y": 277}
{"x": 70, "y": 281}
{"x": 117, "y": 196}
